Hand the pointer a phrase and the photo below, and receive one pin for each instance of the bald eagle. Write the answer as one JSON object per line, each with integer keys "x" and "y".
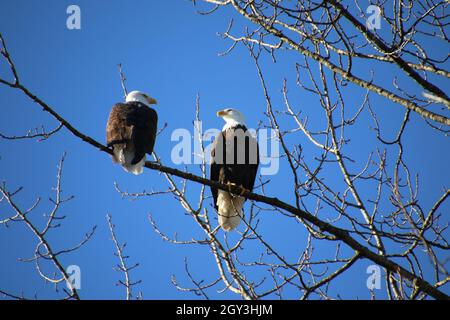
{"x": 131, "y": 131}
{"x": 234, "y": 160}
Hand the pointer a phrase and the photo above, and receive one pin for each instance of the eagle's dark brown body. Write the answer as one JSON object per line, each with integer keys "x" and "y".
{"x": 131, "y": 132}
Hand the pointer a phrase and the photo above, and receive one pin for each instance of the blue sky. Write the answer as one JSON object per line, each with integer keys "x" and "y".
{"x": 171, "y": 52}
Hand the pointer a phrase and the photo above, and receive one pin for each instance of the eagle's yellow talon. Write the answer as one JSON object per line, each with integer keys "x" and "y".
{"x": 230, "y": 185}
{"x": 243, "y": 191}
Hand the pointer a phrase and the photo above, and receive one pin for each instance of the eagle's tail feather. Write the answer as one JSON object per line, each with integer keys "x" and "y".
{"x": 229, "y": 210}
{"x": 137, "y": 168}
{"x": 126, "y": 158}
{"x": 118, "y": 153}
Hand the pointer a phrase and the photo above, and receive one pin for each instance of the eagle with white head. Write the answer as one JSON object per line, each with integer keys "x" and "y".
{"x": 234, "y": 161}
{"x": 131, "y": 131}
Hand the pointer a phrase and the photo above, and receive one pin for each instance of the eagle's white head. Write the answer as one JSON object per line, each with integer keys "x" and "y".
{"x": 140, "y": 97}
{"x": 232, "y": 117}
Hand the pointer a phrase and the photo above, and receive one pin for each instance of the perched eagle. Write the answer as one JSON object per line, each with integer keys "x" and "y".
{"x": 234, "y": 160}
{"x": 131, "y": 131}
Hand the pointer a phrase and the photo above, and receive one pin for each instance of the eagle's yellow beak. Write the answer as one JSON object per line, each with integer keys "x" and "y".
{"x": 151, "y": 100}
{"x": 221, "y": 113}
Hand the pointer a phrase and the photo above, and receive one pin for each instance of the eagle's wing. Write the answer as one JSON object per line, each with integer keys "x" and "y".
{"x": 242, "y": 173}
{"x": 251, "y": 166}
{"x": 216, "y": 170}
{"x": 117, "y": 130}
{"x": 133, "y": 126}
{"x": 144, "y": 121}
